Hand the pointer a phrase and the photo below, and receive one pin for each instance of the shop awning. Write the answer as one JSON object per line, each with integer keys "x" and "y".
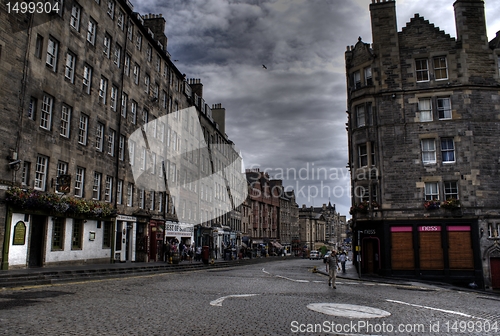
{"x": 278, "y": 245}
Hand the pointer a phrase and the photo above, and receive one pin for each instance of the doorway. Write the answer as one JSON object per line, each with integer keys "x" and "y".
{"x": 371, "y": 255}
{"x": 495, "y": 272}
{"x": 35, "y": 254}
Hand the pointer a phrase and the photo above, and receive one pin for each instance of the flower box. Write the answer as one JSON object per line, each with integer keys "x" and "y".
{"x": 432, "y": 205}
{"x": 451, "y": 204}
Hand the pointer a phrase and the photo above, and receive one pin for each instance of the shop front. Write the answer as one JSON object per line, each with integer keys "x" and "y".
{"x": 125, "y": 239}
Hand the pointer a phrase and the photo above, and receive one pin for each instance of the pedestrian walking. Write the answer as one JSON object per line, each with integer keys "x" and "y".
{"x": 342, "y": 259}
{"x": 332, "y": 265}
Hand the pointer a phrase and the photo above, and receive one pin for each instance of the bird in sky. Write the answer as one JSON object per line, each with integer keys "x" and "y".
{"x": 264, "y": 66}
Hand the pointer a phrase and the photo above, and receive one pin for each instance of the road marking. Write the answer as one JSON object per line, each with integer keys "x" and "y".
{"x": 432, "y": 308}
{"x": 348, "y": 310}
{"x": 219, "y": 301}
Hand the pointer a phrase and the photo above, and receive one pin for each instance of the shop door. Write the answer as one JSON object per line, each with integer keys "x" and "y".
{"x": 36, "y": 241}
{"x": 495, "y": 272}
{"x": 369, "y": 257}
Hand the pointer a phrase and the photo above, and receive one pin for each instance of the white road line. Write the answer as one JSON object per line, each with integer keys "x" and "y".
{"x": 219, "y": 301}
{"x": 437, "y": 309}
{"x": 279, "y": 276}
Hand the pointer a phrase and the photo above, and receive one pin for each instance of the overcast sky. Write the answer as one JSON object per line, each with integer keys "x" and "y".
{"x": 288, "y": 119}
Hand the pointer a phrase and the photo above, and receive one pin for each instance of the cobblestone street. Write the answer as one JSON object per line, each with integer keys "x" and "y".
{"x": 266, "y": 299}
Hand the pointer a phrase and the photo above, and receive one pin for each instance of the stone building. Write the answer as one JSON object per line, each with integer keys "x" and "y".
{"x": 312, "y": 226}
{"x": 264, "y": 198}
{"x": 423, "y": 124}
{"x": 110, "y": 149}
{"x": 294, "y": 224}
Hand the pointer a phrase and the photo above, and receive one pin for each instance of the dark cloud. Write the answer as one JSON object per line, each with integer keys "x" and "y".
{"x": 290, "y": 116}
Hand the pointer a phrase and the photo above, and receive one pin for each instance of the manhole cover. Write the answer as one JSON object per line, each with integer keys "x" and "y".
{"x": 348, "y": 310}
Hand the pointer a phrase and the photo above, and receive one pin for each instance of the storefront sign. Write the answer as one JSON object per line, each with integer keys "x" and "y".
{"x": 370, "y": 232}
{"x": 429, "y": 228}
{"x": 126, "y": 218}
{"x": 178, "y": 230}
{"x": 19, "y": 233}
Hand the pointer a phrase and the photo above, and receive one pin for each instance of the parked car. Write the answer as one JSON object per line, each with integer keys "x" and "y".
{"x": 326, "y": 256}
{"x": 314, "y": 255}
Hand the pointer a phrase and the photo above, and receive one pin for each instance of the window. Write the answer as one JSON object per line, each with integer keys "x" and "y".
{"x": 65, "y": 120}
{"x": 103, "y": 90}
{"x": 143, "y": 158}
{"x": 119, "y": 19}
{"x": 106, "y": 234}
{"x": 113, "y": 97}
{"x": 119, "y": 192}
{"x": 83, "y": 129}
{"x": 156, "y": 88}
{"x": 428, "y": 151}
{"x": 440, "y": 68}
{"x": 152, "y": 200}
{"x": 69, "y": 72}
{"x": 106, "y": 45}
{"x": 131, "y": 152}
{"x": 368, "y": 76}
{"x": 111, "y": 8}
{"x": 99, "y": 137}
{"x": 52, "y": 48}
{"x": 141, "y": 198}
{"x": 362, "y": 156}
{"x": 121, "y": 147}
{"x": 130, "y": 31}
{"x": 124, "y": 104}
{"x": 145, "y": 119}
{"x": 357, "y": 80}
{"x": 58, "y": 233}
{"x": 161, "y": 166}
{"x": 422, "y": 70}
{"x": 75, "y": 17}
{"x": 127, "y": 65}
{"x": 425, "y": 109}
{"x": 138, "y": 43}
{"x": 96, "y": 188}
{"x": 360, "y": 116}
{"x": 62, "y": 169}
{"x": 117, "y": 55}
{"x": 77, "y": 234}
{"x": 149, "y": 52}
{"x": 91, "y": 31}
{"x": 431, "y": 191}
{"x": 133, "y": 112}
{"x": 79, "y": 181}
{"x": 146, "y": 83}
{"x": 46, "y": 112}
{"x": 130, "y": 194}
{"x": 25, "y": 177}
{"x": 158, "y": 63}
{"x": 448, "y": 150}
{"x": 111, "y": 142}
{"x": 32, "y": 108}
{"x": 160, "y": 202}
{"x": 450, "y": 190}
{"x": 38, "y": 46}
{"x": 161, "y": 132}
{"x": 444, "y": 108}
{"x": 153, "y": 163}
{"x": 164, "y": 100}
{"x": 87, "y": 78}
{"x": 41, "y": 172}
{"x": 137, "y": 73}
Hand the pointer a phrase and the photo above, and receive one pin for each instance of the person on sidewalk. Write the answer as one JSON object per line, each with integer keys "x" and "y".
{"x": 332, "y": 264}
{"x": 342, "y": 259}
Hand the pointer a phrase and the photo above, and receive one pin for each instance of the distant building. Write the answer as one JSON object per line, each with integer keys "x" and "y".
{"x": 312, "y": 227}
{"x": 423, "y": 124}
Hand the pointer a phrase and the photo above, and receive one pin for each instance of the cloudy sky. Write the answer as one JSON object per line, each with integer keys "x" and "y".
{"x": 288, "y": 119}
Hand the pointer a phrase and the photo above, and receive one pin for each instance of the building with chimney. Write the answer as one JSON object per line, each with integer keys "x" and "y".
{"x": 423, "y": 124}
{"x": 109, "y": 151}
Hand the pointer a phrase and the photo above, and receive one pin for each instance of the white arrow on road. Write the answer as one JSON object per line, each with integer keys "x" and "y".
{"x": 218, "y": 302}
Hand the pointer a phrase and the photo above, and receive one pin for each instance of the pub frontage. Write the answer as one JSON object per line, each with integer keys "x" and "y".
{"x": 445, "y": 250}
